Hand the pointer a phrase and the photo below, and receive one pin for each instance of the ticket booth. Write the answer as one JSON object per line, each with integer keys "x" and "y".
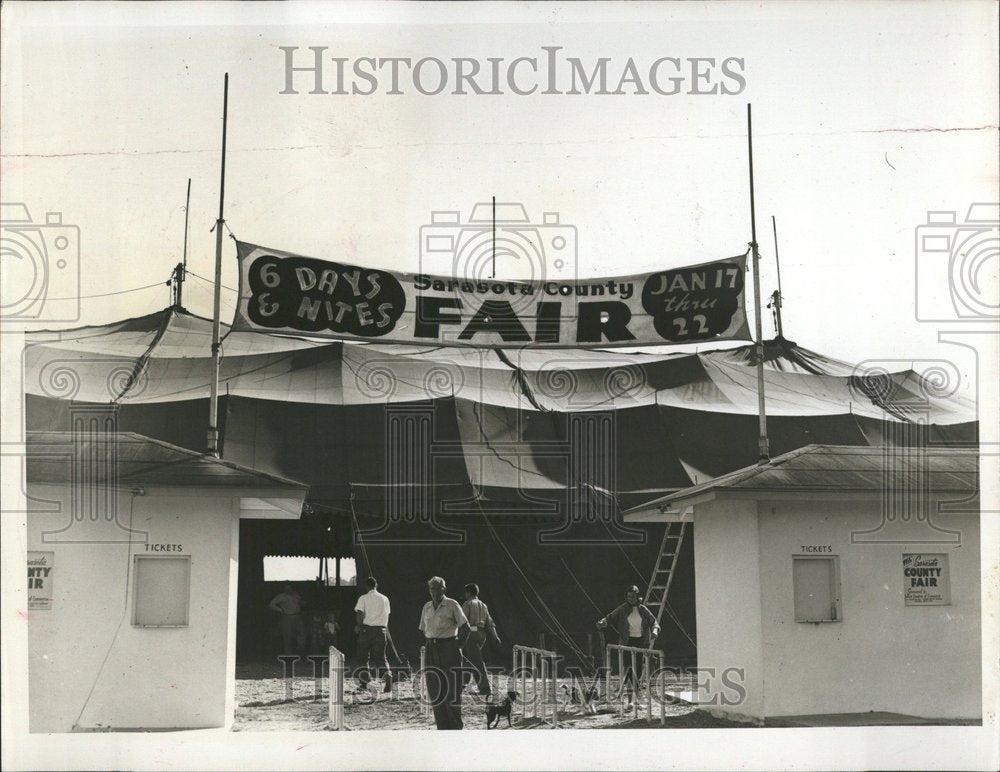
{"x": 837, "y": 580}
{"x": 132, "y": 558}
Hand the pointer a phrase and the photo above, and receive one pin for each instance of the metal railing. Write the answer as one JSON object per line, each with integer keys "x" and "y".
{"x": 542, "y": 669}
{"x": 420, "y": 688}
{"x": 336, "y": 692}
{"x": 633, "y": 652}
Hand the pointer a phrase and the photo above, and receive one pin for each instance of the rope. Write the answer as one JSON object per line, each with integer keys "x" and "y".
{"x": 667, "y": 607}
{"x": 551, "y": 616}
{"x": 522, "y": 381}
{"x": 573, "y": 577}
{"x": 368, "y": 563}
{"x": 620, "y": 547}
{"x": 114, "y": 639}
{"x": 103, "y": 294}
{"x": 209, "y": 281}
{"x": 357, "y": 531}
{"x": 143, "y": 360}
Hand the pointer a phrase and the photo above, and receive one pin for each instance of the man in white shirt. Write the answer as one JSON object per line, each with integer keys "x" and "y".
{"x": 372, "y": 621}
{"x": 445, "y": 630}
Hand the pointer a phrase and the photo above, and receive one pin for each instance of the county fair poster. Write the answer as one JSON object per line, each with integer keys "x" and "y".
{"x": 926, "y": 581}
{"x": 40, "y": 578}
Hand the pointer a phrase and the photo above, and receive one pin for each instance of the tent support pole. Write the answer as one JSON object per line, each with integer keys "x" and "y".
{"x": 762, "y": 444}
{"x": 182, "y": 275}
{"x": 213, "y": 405}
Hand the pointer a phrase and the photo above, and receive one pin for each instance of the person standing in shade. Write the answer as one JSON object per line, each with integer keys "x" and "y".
{"x": 288, "y": 603}
{"x": 445, "y": 630}
{"x": 636, "y": 626}
{"x": 480, "y": 624}
{"x": 372, "y": 621}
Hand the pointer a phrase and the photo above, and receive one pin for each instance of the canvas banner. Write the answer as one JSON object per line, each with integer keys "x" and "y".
{"x": 289, "y": 294}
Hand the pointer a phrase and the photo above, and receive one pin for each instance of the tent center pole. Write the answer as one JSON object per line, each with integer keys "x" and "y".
{"x": 213, "y": 404}
{"x": 762, "y": 443}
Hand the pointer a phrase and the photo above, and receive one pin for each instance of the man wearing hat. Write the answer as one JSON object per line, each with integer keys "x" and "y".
{"x": 636, "y": 626}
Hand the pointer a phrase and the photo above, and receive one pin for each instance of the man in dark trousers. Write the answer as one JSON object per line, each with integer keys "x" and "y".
{"x": 636, "y": 626}
{"x": 445, "y": 630}
{"x": 481, "y": 624}
{"x": 372, "y": 625}
{"x": 288, "y": 603}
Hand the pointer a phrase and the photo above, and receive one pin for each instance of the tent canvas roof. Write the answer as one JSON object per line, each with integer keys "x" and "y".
{"x": 513, "y": 420}
{"x": 165, "y": 357}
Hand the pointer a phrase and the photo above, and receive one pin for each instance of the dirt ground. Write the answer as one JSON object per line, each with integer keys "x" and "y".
{"x": 268, "y": 702}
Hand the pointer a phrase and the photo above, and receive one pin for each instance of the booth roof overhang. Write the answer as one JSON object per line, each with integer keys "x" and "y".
{"x": 837, "y": 472}
{"x": 140, "y": 461}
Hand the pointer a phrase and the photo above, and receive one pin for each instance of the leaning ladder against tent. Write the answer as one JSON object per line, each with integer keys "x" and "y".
{"x": 663, "y": 573}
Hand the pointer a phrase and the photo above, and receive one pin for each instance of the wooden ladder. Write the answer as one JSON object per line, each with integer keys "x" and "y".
{"x": 666, "y": 562}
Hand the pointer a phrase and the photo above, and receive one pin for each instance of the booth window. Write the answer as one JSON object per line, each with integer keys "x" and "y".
{"x": 816, "y": 581}
{"x": 162, "y": 591}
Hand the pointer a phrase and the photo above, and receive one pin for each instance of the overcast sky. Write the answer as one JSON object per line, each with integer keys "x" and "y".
{"x": 866, "y": 116}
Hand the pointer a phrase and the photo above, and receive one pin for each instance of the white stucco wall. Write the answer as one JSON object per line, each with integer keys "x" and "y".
{"x": 883, "y": 655}
{"x": 88, "y": 666}
{"x": 728, "y": 607}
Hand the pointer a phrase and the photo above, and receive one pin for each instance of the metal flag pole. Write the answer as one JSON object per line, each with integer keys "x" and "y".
{"x": 776, "y": 299}
{"x": 213, "y": 405}
{"x": 180, "y": 270}
{"x": 762, "y": 444}
{"x": 493, "y": 270}
{"x": 184, "y": 263}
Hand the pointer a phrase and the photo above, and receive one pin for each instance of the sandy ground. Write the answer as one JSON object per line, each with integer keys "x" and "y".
{"x": 269, "y": 703}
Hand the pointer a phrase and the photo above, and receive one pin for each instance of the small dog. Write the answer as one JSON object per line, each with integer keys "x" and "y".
{"x": 585, "y": 697}
{"x": 494, "y": 711}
